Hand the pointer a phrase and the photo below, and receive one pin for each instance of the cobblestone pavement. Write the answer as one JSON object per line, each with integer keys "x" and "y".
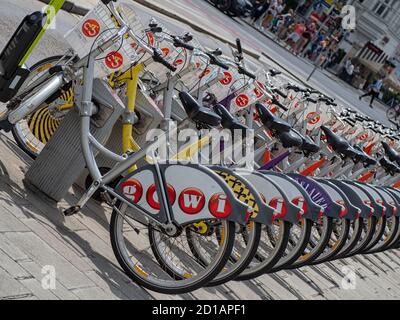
{"x": 34, "y": 234}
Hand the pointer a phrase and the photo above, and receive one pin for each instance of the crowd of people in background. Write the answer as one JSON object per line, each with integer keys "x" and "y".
{"x": 311, "y": 39}
{"x": 302, "y": 37}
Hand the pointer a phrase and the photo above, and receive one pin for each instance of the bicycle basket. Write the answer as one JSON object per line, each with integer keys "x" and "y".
{"x": 97, "y": 27}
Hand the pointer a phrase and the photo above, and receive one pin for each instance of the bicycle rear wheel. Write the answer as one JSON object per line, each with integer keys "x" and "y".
{"x": 152, "y": 258}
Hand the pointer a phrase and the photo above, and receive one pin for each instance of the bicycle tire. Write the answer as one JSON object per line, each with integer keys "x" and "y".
{"x": 259, "y": 268}
{"x": 307, "y": 259}
{"x": 380, "y": 231}
{"x": 301, "y": 245}
{"x": 170, "y": 285}
{"x": 370, "y": 227}
{"x": 338, "y": 244}
{"x": 230, "y": 274}
{"x": 389, "y": 239}
{"x": 354, "y": 238}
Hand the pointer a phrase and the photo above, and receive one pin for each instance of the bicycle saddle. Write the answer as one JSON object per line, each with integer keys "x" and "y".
{"x": 274, "y": 73}
{"x": 309, "y": 145}
{"x": 352, "y": 153}
{"x": 391, "y": 153}
{"x": 338, "y": 144}
{"x": 2, "y": 70}
{"x": 290, "y": 139}
{"x": 389, "y": 166}
{"x": 363, "y": 157}
{"x": 228, "y": 120}
{"x": 198, "y": 113}
{"x": 271, "y": 121}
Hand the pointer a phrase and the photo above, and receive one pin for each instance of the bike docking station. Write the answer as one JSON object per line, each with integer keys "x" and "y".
{"x": 61, "y": 163}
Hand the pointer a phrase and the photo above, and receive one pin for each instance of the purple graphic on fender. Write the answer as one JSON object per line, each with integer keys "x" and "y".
{"x": 318, "y": 195}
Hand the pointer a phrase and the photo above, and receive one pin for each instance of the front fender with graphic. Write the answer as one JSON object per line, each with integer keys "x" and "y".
{"x": 192, "y": 193}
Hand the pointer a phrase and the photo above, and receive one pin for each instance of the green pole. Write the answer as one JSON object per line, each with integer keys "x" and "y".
{"x": 51, "y": 11}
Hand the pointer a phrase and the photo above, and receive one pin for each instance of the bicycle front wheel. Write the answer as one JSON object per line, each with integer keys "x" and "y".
{"x": 247, "y": 241}
{"x": 164, "y": 263}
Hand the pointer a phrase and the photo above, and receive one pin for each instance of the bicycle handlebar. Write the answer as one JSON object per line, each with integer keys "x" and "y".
{"x": 278, "y": 104}
{"x": 280, "y": 93}
{"x": 180, "y": 43}
{"x": 246, "y": 73}
{"x": 158, "y": 57}
{"x": 155, "y": 53}
{"x": 215, "y": 61}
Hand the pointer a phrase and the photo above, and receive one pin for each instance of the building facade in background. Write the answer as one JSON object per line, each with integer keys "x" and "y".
{"x": 375, "y": 41}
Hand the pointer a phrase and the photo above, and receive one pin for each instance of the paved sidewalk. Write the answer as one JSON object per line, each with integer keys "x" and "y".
{"x": 34, "y": 234}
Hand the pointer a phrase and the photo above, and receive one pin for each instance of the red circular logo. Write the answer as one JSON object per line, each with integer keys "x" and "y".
{"x": 258, "y": 93}
{"x": 227, "y": 79}
{"x": 257, "y": 89}
{"x": 313, "y": 118}
{"x": 280, "y": 207}
{"x": 301, "y": 203}
{"x": 192, "y": 201}
{"x": 150, "y": 38}
{"x": 152, "y": 196}
{"x": 91, "y": 28}
{"x": 242, "y": 101}
{"x": 219, "y": 206}
{"x": 132, "y": 190}
{"x": 344, "y": 211}
{"x": 165, "y": 51}
{"x": 363, "y": 137}
{"x": 205, "y": 73}
{"x": 260, "y": 85}
{"x": 178, "y": 62}
{"x": 114, "y": 60}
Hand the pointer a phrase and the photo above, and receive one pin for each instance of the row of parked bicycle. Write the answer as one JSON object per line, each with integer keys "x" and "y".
{"x": 322, "y": 184}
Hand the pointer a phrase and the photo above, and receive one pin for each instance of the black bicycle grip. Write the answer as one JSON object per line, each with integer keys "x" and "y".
{"x": 158, "y": 57}
{"x": 312, "y": 100}
{"x": 313, "y": 91}
{"x": 278, "y": 104}
{"x": 350, "y": 122}
{"x": 215, "y": 61}
{"x": 239, "y": 46}
{"x": 246, "y": 73}
{"x": 106, "y": 2}
{"x": 294, "y": 88}
{"x": 178, "y": 43}
{"x": 274, "y": 73}
{"x": 281, "y": 93}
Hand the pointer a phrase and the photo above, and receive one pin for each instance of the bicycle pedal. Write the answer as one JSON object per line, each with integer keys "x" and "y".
{"x": 71, "y": 211}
